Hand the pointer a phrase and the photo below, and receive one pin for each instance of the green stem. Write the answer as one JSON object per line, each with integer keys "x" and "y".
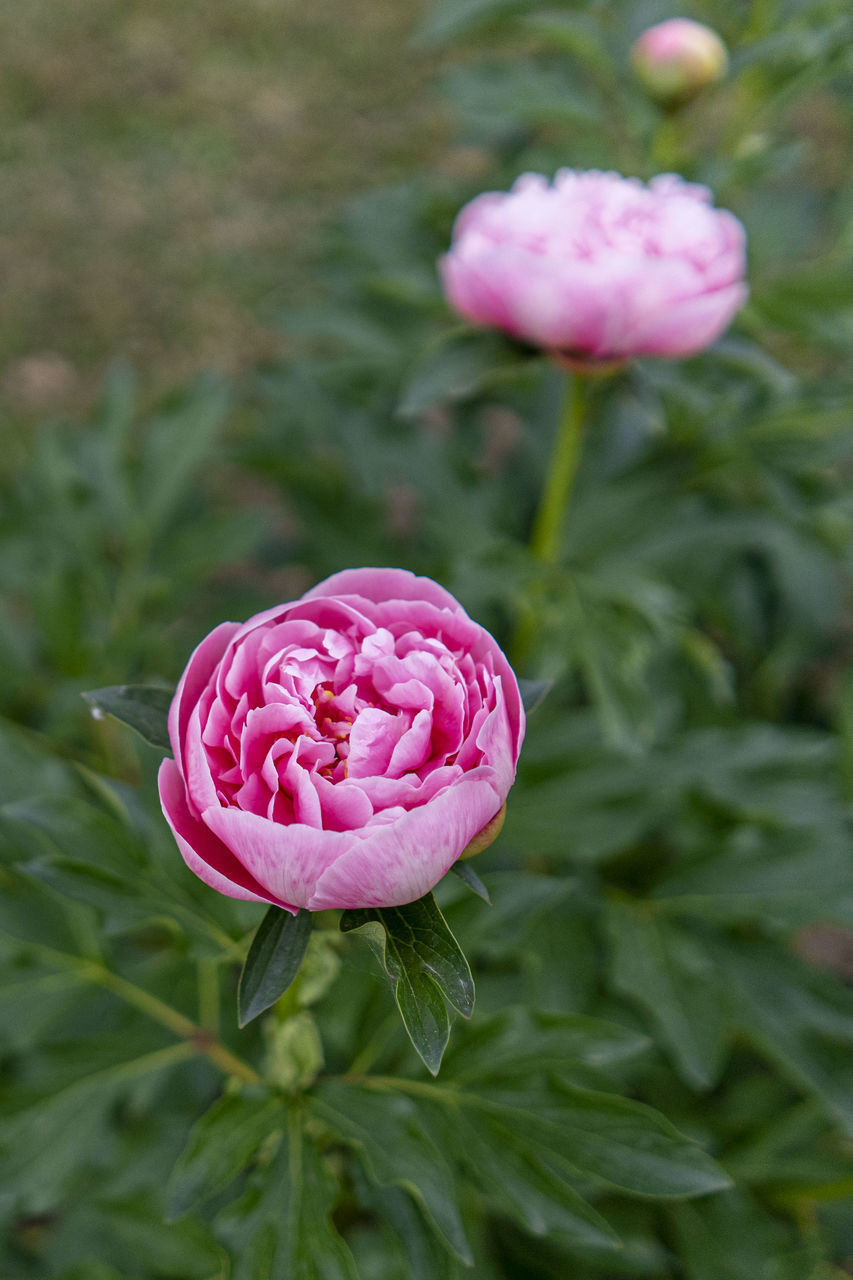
{"x": 668, "y": 151}
{"x": 551, "y": 513}
{"x": 550, "y": 517}
{"x": 762, "y": 21}
{"x": 201, "y": 1040}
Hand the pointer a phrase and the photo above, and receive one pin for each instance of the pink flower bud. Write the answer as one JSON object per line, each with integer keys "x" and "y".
{"x": 676, "y": 59}
{"x": 596, "y": 267}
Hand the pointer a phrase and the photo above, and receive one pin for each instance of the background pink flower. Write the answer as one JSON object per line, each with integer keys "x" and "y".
{"x": 675, "y": 59}
{"x": 598, "y": 266}
{"x": 342, "y": 750}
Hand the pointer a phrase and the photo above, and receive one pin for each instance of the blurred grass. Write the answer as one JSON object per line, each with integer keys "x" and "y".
{"x": 169, "y": 171}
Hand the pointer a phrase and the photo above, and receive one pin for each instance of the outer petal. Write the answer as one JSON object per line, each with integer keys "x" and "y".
{"x": 203, "y": 853}
{"x": 198, "y": 671}
{"x": 286, "y": 860}
{"x": 402, "y": 860}
{"x": 693, "y": 324}
{"x": 379, "y": 585}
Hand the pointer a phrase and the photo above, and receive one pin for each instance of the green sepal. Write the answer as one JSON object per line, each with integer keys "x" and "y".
{"x": 277, "y": 951}
{"x": 426, "y": 966}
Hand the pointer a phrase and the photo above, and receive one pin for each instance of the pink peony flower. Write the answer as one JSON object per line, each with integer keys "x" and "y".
{"x": 342, "y": 750}
{"x": 675, "y": 59}
{"x": 597, "y": 266}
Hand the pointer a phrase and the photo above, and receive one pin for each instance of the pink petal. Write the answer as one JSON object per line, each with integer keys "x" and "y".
{"x": 287, "y": 861}
{"x": 205, "y": 855}
{"x": 401, "y": 861}
{"x": 199, "y": 670}
{"x": 379, "y": 585}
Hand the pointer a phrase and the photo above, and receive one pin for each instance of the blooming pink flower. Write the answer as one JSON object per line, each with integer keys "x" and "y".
{"x": 598, "y": 266}
{"x": 341, "y": 750}
{"x": 677, "y": 58}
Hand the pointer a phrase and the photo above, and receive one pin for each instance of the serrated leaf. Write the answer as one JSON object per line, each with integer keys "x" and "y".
{"x": 469, "y": 877}
{"x": 398, "y": 1150}
{"x": 222, "y": 1143}
{"x": 425, "y": 962}
{"x": 277, "y": 951}
{"x": 143, "y": 707}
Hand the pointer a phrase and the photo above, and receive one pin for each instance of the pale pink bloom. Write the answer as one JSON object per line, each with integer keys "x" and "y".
{"x": 598, "y": 266}
{"x": 675, "y": 59}
{"x": 341, "y": 750}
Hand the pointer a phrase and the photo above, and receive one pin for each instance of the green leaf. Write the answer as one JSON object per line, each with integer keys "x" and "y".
{"x": 275, "y": 955}
{"x": 281, "y": 1228}
{"x": 469, "y": 877}
{"x": 522, "y": 1045}
{"x": 500, "y": 1158}
{"x": 460, "y": 366}
{"x": 220, "y": 1146}
{"x": 729, "y": 1237}
{"x": 798, "y": 1017}
{"x": 424, "y": 961}
{"x": 666, "y": 972}
{"x": 50, "y": 1144}
{"x": 451, "y": 19}
{"x": 144, "y": 707}
{"x": 397, "y": 1149}
{"x": 626, "y": 1144}
{"x": 533, "y": 693}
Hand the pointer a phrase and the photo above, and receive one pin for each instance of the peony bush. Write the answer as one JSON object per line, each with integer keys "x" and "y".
{"x": 206, "y": 1071}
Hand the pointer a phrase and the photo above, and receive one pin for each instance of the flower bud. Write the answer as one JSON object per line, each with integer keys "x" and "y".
{"x": 675, "y": 60}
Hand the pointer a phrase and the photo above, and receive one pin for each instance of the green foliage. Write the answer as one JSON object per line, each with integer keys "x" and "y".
{"x": 426, "y": 966}
{"x": 273, "y": 961}
{"x": 144, "y": 707}
{"x": 656, "y": 1082}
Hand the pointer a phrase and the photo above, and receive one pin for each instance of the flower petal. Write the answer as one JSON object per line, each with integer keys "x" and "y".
{"x": 400, "y": 861}
{"x": 205, "y": 855}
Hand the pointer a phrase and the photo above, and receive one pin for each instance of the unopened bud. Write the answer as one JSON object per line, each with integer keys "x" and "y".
{"x": 676, "y": 59}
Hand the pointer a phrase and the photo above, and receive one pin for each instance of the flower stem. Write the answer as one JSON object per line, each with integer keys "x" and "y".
{"x": 550, "y": 517}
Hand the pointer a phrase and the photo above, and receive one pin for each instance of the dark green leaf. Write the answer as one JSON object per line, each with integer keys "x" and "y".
{"x": 466, "y": 873}
{"x": 144, "y": 707}
{"x": 460, "y": 366}
{"x": 522, "y": 1045}
{"x": 800, "y": 1018}
{"x": 281, "y": 1228}
{"x": 275, "y": 955}
{"x": 666, "y": 971}
{"x": 398, "y": 1150}
{"x": 424, "y": 961}
{"x": 626, "y": 1144}
{"x": 533, "y": 693}
{"x": 220, "y": 1146}
{"x": 501, "y": 1159}
{"x": 728, "y": 1237}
